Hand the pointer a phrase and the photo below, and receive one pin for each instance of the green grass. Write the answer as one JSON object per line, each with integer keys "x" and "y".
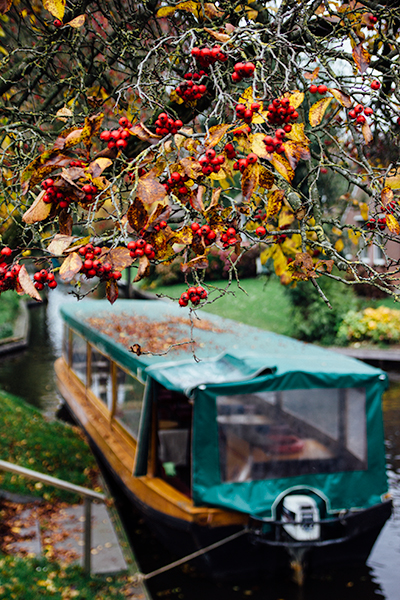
{"x": 263, "y": 303}
{"x": 29, "y": 440}
{"x": 33, "y": 578}
{"x": 9, "y": 306}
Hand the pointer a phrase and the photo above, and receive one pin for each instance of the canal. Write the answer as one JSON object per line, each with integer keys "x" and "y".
{"x": 29, "y": 374}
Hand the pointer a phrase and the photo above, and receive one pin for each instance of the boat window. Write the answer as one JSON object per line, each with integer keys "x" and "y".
{"x": 79, "y": 352}
{"x": 291, "y": 432}
{"x": 130, "y": 393}
{"x": 101, "y": 377}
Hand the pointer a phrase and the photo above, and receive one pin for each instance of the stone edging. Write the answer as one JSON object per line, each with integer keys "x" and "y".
{"x": 19, "y": 339}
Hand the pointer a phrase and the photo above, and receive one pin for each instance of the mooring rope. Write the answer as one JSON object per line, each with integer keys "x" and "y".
{"x": 142, "y": 577}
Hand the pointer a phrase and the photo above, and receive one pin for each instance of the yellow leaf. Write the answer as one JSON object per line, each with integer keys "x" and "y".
{"x": 79, "y": 21}
{"x": 339, "y": 245}
{"x": 313, "y": 75}
{"x": 258, "y": 146}
{"x": 297, "y": 133}
{"x": 344, "y": 99}
{"x": 282, "y": 166}
{"x": 266, "y": 178}
{"x": 296, "y": 151}
{"x": 393, "y": 181}
{"x": 317, "y": 111}
{"x": 280, "y": 260}
{"x": 55, "y": 7}
{"x": 353, "y": 236}
{"x": 286, "y": 217}
{"x": 275, "y": 201}
{"x": 367, "y": 133}
{"x": 166, "y": 11}
{"x": 364, "y": 210}
{"x": 296, "y": 98}
{"x": 386, "y": 195}
{"x": 392, "y": 224}
{"x": 215, "y": 135}
{"x": 361, "y": 57}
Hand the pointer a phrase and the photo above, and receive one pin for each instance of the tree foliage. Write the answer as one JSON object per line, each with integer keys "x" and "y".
{"x": 159, "y": 129}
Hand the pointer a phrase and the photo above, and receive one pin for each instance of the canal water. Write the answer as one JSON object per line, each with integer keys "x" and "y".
{"x": 29, "y": 374}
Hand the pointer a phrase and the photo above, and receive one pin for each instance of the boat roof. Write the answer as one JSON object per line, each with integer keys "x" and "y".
{"x": 207, "y": 348}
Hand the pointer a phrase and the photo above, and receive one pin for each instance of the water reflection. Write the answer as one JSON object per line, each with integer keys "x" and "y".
{"x": 29, "y": 374}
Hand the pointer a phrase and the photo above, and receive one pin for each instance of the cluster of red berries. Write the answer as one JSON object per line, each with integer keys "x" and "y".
{"x": 55, "y": 195}
{"x": 117, "y": 138}
{"x": 205, "y": 232}
{"x": 391, "y": 207}
{"x": 141, "y": 248}
{"x": 211, "y": 162}
{"x": 8, "y": 276}
{"x": 247, "y": 113}
{"x": 281, "y": 112}
{"x": 208, "y": 56}
{"x": 193, "y": 295}
{"x": 189, "y": 90}
{"x": 243, "y": 163}
{"x": 76, "y": 163}
{"x": 280, "y": 238}
{"x": 229, "y": 237}
{"x": 166, "y": 124}
{"x": 90, "y": 192}
{"x": 242, "y": 70}
{"x": 373, "y": 223}
{"x": 355, "y": 113}
{"x": 176, "y": 181}
{"x": 275, "y": 144}
{"x": 91, "y": 266}
{"x": 230, "y": 150}
{"x": 43, "y": 277}
{"x": 372, "y": 21}
{"x": 318, "y": 89}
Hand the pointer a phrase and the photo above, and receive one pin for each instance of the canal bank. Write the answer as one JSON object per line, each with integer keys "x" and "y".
{"x": 378, "y": 579}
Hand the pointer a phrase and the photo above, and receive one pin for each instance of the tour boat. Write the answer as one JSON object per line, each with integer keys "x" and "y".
{"x": 221, "y": 432}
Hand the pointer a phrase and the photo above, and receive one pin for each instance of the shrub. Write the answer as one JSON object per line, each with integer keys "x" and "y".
{"x": 378, "y": 325}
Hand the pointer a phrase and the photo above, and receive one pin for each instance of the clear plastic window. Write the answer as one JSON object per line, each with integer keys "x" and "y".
{"x": 79, "y": 352}
{"x": 291, "y": 432}
{"x": 130, "y": 393}
{"x": 101, "y": 378}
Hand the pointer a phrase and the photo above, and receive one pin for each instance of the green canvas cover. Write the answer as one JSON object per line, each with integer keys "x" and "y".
{"x": 235, "y": 359}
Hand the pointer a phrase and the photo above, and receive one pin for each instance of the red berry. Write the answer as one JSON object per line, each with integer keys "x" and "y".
{"x": 313, "y": 88}
{"x": 6, "y": 251}
{"x": 52, "y": 284}
{"x": 252, "y": 158}
{"x": 375, "y": 85}
{"x": 322, "y": 89}
{"x": 57, "y": 23}
{"x": 261, "y": 231}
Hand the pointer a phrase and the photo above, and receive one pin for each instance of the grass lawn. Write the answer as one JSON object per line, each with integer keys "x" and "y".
{"x": 263, "y": 303}
{"x": 9, "y": 306}
{"x": 29, "y": 440}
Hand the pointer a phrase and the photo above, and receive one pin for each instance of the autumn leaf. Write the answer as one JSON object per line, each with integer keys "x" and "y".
{"x": 183, "y": 236}
{"x": 196, "y": 201}
{"x": 393, "y": 180}
{"x": 250, "y": 180}
{"x": 55, "y": 7}
{"x": 112, "y": 290}
{"x": 361, "y": 57}
{"x": 39, "y": 211}
{"x": 78, "y": 22}
{"x": 258, "y": 146}
{"x": 65, "y": 222}
{"x": 296, "y": 98}
{"x": 64, "y": 113}
{"x": 137, "y": 215}
{"x": 302, "y": 268}
{"x": 191, "y": 167}
{"x": 339, "y": 245}
{"x": 313, "y": 75}
{"x": 99, "y": 165}
{"x": 282, "y": 166}
{"x": 144, "y": 268}
{"x": 70, "y": 267}
{"x": 341, "y": 97}
{"x": 386, "y": 195}
{"x": 59, "y": 244}
{"x": 296, "y": 151}
{"x": 217, "y": 35}
{"x": 364, "y": 210}
{"x": 119, "y": 257}
{"x": 317, "y": 111}
{"x": 27, "y": 285}
{"x": 149, "y": 189}
{"x": 266, "y": 178}
{"x": 392, "y": 224}
{"x": 367, "y": 133}
{"x": 200, "y": 262}
{"x": 215, "y": 135}
{"x": 189, "y": 6}
{"x": 211, "y": 11}
{"x": 5, "y": 6}
{"x": 275, "y": 201}
{"x": 91, "y": 128}
{"x": 297, "y": 134}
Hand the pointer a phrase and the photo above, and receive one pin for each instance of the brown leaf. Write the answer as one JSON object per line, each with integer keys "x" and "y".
{"x": 296, "y": 151}
{"x": 144, "y": 134}
{"x": 200, "y": 262}
{"x": 65, "y": 222}
{"x": 196, "y": 201}
{"x": 250, "y": 180}
{"x": 68, "y": 138}
{"x": 325, "y": 265}
{"x": 317, "y": 111}
{"x": 149, "y": 189}
{"x": 112, "y": 290}
{"x": 5, "y": 6}
{"x": 182, "y": 236}
{"x": 64, "y": 113}
{"x": 159, "y": 213}
{"x": 27, "y": 285}
{"x": 341, "y": 97}
{"x": 221, "y": 37}
{"x": 282, "y": 166}
{"x": 313, "y": 75}
{"x": 97, "y": 166}
{"x": 191, "y": 167}
{"x": 144, "y": 268}
{"x": 70, "y": 267}
{"x": 79, "y": 21}
{"x": 59, "y": 244}
{"x": 119, "y": 258}
{"x": 266, "y": 179}
{"x": 215, "y": 195}
{"x": 361, "y": 57}
{"x": 386, "y": 195}
{"x": 212, "y": 12}
{"x": 91, "y": 128}
{"x": 367, "y": 133}
{"x": 392, "y": 224}
{"x": 39, "y": 211}
{"x": 137, "y": 215}
{"x": 275, "y": 201}
{"x": 215, "y": 135}
{"x": 302, "y": 267}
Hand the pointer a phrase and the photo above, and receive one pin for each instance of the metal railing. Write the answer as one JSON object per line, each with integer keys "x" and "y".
{"x": 87, "y": 494}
